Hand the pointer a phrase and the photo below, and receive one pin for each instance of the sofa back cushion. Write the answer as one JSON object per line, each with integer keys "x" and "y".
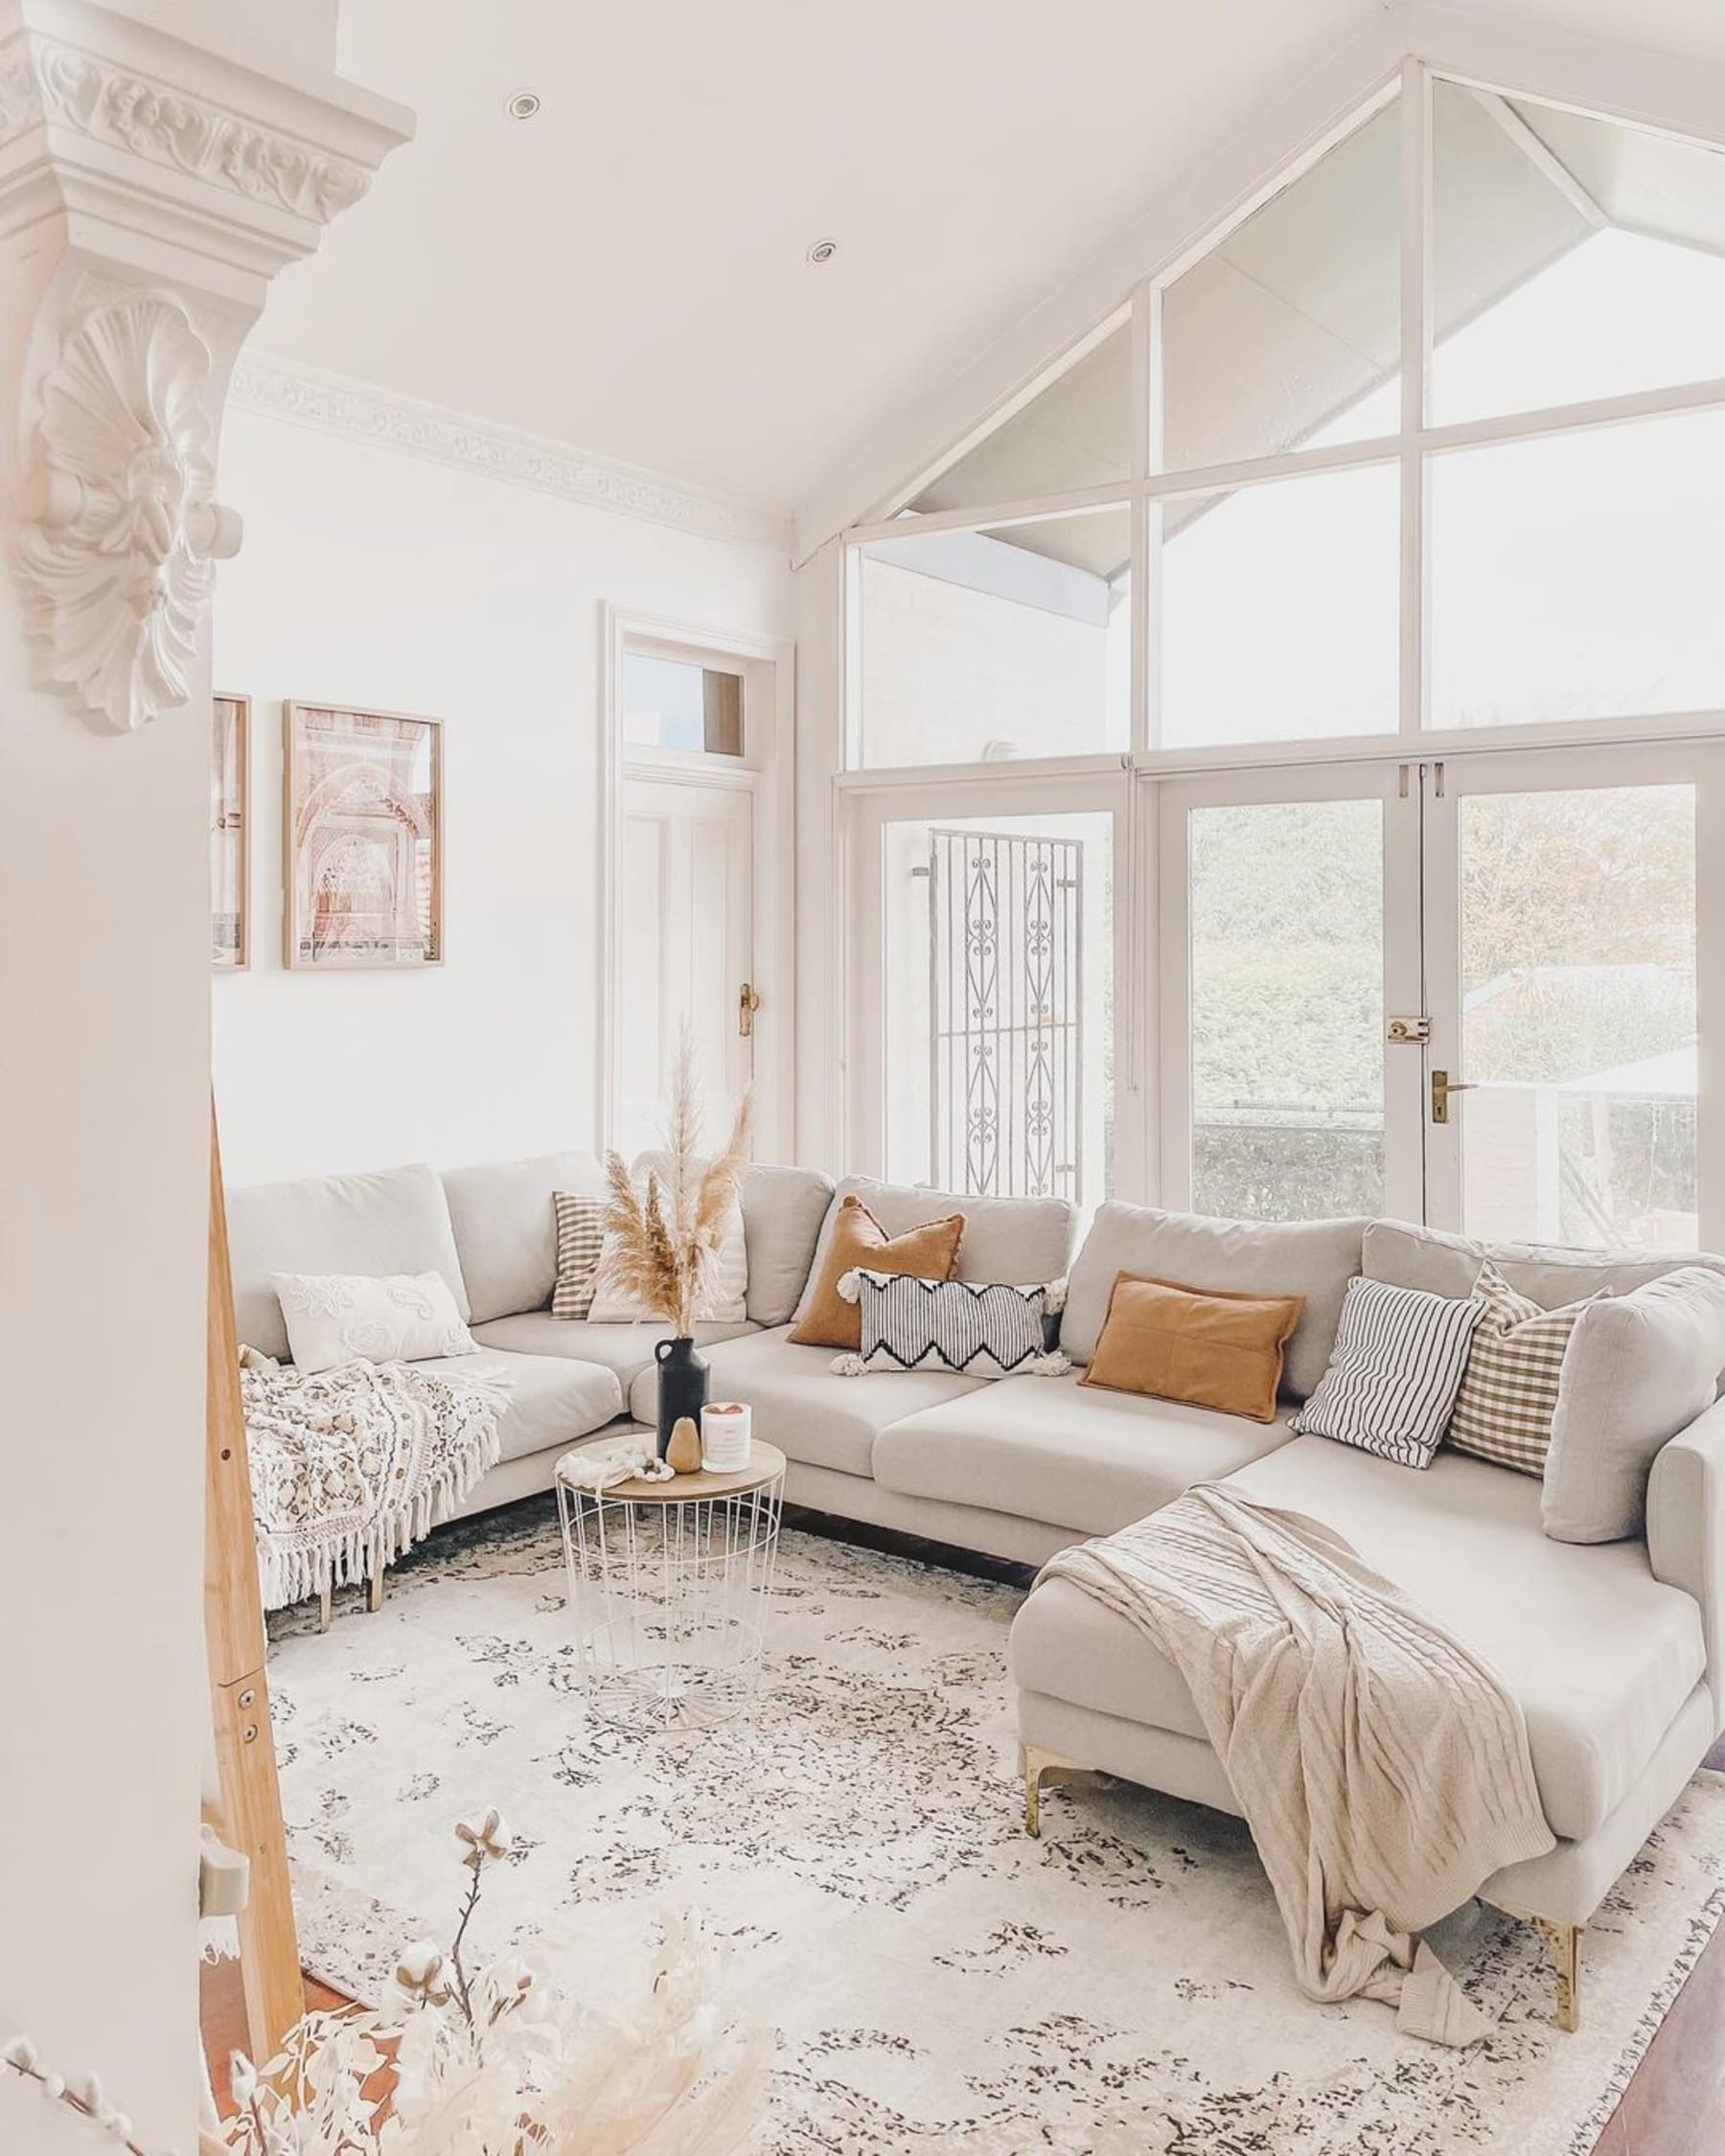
{"x": 505, "y": 1227}
{"x": 783, "y": 1209}
{"x": 393, "y": 1220}
{"x": 1408, "y": 1256}
{"x": 1256, "y": 1257}
{"x": 1022, "y": 1241}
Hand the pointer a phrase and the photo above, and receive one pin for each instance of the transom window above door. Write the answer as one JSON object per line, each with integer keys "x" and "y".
{"x": 678, "y": 703}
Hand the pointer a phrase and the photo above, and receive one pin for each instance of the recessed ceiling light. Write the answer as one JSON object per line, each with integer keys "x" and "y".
{"x": 823, "y": 250}
{"x": 522, "y": 104}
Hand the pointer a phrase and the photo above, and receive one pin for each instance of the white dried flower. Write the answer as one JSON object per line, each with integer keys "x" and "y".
{"x": 486, "y": 1843}
{"x": 419, "y": 1974}
{"x": 53, "y": 2086}
{"x": 18, "y": 2050}
{"x": 242, "y": 2079}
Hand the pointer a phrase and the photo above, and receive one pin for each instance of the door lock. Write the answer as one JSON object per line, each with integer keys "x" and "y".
{"x": 1401, "y": 1031}
{"x": 1442, "y": 1086}
{"x": 749, "y": 1002}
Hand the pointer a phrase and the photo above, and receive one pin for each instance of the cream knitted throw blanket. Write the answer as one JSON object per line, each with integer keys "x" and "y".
{"x": 1381, "y": 1767}
{"x": 350, "y": 1467}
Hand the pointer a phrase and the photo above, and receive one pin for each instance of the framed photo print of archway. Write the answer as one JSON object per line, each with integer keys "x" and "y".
{"x": 362, "y": 838}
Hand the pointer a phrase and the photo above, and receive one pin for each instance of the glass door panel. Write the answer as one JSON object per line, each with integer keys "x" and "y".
{"x": 1291, "y": 940}
{"x": 1561, "y": 908}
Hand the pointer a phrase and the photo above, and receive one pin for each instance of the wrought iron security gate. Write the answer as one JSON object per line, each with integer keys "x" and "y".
{"x": 1006, "y": 939}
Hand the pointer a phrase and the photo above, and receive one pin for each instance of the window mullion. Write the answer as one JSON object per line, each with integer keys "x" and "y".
{"x": 1415, "y": 369}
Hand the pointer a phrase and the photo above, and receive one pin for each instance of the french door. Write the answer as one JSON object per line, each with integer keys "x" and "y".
{"x": 1484, "y": 992}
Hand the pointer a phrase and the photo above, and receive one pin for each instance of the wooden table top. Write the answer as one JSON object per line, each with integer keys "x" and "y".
{"x": 766, "y": 1464}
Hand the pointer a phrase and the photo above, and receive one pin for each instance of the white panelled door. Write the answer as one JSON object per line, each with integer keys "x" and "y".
{"x": 686, "y": 948}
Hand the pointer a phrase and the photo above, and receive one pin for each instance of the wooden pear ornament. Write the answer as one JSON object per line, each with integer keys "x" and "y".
{"x": 683, "y": 1453}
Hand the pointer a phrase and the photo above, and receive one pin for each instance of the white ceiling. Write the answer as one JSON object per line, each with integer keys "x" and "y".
{"x": 626, "y": 271}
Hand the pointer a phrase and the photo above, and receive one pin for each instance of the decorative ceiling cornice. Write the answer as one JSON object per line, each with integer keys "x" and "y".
{"x": 286, "y": 389}
{"x": 43, "y": 81}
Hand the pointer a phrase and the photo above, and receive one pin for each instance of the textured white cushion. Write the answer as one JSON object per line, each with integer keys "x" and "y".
{"x": 336, "y": 1317}
{"x": 504, "y": 1230}
{"x": 800, "y": 1407}
{"x": 1045, "y": 1449}
{"x": 394, "y": 1221}
{"x": 1311, "y": 1258}
{"x": 1004, "y": 1238}
{"x": 1545, "y": 1274}
{"x": 1638, "y": 1369}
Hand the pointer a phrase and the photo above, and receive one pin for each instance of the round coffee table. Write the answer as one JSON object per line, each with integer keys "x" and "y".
{"x": 669, "y": 1584}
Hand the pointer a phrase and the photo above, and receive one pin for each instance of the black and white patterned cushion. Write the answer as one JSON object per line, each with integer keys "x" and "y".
{"x": 977, "y": 1328}
{"x": 1394, "y": 1372}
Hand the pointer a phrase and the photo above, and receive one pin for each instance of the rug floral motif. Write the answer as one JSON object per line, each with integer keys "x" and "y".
{"x": 934, "y": 1979}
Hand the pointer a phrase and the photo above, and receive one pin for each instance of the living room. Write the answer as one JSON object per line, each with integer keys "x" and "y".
{"x": 880, "y": 1025}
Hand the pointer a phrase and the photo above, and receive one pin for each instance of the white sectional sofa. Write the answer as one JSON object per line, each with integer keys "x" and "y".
{"x": 1615, "y": 1651}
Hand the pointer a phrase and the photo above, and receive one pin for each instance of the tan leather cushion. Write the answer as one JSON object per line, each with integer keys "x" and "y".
{"x": 929, "y": 1252}
{"x": 1208, "y": 1349}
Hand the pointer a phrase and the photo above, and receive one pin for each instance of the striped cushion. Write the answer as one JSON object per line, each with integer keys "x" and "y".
{"x": 1392, "y": 1375}
{"x": 580, "y": 1238}
{"x": 978, "y": 1328}
{"x": 1508, "y": 1392}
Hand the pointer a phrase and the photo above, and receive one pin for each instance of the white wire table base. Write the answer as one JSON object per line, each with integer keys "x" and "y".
{"x": 670, "y": 1596}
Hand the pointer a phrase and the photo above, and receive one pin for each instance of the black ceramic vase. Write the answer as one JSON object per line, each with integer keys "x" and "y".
{"x": 682, "y": 1386}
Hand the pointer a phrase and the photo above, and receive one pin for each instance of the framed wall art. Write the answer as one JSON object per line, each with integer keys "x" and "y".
{"x": 362, "y": 838}
{"x": 230, "y": 834}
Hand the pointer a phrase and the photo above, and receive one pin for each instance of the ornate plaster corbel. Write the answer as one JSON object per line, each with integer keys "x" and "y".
{"x": 122, "y": 535}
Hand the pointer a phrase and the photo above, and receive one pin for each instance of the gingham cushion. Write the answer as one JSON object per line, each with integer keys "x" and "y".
{"x": 1509, "y": 1390}
{"x": 580, "y": 1238}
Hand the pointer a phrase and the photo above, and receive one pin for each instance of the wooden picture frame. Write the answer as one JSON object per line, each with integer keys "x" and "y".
{"x": 230, "y": 834}
{"x": 362, "y": 839}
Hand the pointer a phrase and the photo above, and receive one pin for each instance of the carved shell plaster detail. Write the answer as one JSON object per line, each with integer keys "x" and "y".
{"x": 118, "y": 565}
{"x": 114, "y": 106}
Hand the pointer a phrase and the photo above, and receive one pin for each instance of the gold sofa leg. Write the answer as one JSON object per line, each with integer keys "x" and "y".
{"x": 1564, "y": 1943}
{"x": 373, "y": 1592}
{"x": 1034, "y": 1764}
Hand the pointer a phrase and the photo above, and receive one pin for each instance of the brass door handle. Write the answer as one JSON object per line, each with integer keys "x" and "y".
{"x": 1442, "y": 1086}
{"x": 749, "y": 1002}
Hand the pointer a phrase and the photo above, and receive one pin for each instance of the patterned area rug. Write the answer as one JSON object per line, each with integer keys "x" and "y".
{"x": 935, "y": 1978}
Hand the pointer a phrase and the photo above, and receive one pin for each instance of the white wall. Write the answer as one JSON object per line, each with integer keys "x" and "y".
{"x": 369, "y": 576}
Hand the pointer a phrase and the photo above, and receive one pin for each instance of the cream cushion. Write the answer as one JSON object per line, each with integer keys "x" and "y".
{"x": 625, "y": 1350}
{"x": 394, "y": 1221}
{"x": 336, "y": 1317}
{"x": 505, "y": 1229}
{"x": 1046, "y": 1449}
{"x": 1311, "y": 1258}
{"x": 1600, "y": 1655}
{"x": 783, "y": 1209}
{"x": 1022, "y": 1240}
{"x": 552, "y": 1399}
{"x": 1638, "y": 1369}
{"x": 1547, "y": 1274}
{"x": 800, "y": 1407}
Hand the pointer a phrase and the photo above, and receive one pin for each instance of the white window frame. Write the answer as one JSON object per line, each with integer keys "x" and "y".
{"x": 766, "y": 770}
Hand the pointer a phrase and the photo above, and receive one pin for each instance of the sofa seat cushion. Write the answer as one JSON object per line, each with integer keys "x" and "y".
{"x": 803, "y": 1408}
{"x": 1046, "y": 1449}
{"x": 1600, "y": 1655}
{"x": 626, "y": 1350}
{"x": 552, "y": 1400}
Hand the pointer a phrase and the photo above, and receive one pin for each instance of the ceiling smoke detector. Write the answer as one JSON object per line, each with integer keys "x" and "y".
{"x": 522, "y": 104}
{"x": 823, "y": 250}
